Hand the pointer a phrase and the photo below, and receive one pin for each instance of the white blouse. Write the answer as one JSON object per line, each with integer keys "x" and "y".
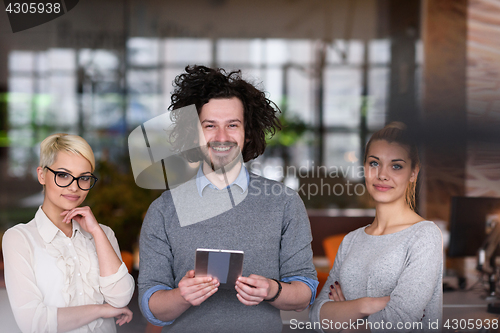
{"x": 45, "y": 270}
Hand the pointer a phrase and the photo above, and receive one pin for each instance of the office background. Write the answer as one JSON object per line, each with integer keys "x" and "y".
{"x": 339, "y": 70}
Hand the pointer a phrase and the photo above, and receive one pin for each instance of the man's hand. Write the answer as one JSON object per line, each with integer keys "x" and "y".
{"x": 254, "y": 289}
{"x": 195, "y": 290}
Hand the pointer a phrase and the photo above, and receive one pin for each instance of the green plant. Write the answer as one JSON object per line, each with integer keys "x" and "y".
{"x": 119, "y": 203}
{"x": 293, "y": 128}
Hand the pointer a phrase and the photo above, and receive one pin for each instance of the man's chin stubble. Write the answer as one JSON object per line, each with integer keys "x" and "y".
{"x": 223, "y": 166}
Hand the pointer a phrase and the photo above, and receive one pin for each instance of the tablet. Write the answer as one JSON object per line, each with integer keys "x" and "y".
{"x": 225, "y": 265}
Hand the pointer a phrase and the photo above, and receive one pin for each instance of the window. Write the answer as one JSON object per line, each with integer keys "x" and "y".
{"x": 84, "y": 92}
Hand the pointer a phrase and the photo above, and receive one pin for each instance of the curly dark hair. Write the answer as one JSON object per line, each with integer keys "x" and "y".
{"x": 199, "y": 85}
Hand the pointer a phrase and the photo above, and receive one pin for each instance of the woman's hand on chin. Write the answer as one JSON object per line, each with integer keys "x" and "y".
{"x": 84, "y": 216}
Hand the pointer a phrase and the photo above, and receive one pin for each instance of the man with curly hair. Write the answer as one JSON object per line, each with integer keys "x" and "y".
{"x": 241, "y": 211}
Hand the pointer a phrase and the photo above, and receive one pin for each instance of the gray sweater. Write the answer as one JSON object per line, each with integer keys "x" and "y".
{"x": 269, "y": 223}
{"x": 406, "y": 265}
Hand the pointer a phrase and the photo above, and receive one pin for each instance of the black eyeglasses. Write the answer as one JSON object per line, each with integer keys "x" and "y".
{"x": 64, "y": 179}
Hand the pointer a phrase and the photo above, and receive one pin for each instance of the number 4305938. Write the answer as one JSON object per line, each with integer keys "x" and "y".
{"x": 471, "y": 324}
{"x": 34, "y": 8}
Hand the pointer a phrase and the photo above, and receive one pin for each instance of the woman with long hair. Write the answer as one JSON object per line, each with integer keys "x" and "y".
{"x": 387, "y": 275}
{"x": 63, "y": 270}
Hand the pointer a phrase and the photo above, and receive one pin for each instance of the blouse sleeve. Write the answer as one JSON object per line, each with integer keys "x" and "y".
{"x": 26, "y": 299}
{"x": 418, "y": 281}
{"x": 117, "y": 288}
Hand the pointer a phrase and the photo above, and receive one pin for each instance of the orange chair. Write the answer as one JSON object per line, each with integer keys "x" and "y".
{"x": 128, "y": 259}
{"x": 150, "y": 328}
{"x": 331, "y": 246}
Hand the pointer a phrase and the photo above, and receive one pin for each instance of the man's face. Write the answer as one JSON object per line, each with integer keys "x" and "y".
{"x": 223, "y": 128}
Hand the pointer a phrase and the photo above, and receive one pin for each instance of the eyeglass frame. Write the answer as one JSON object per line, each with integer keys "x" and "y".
{"x": 71, "y": 182}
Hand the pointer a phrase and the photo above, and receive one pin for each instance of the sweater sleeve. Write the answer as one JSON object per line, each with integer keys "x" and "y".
{"x": 26, "y": 299}
{"x": 295, "y": 252}
{"x": 417, "y": 282}
{"x": 156, "y": 265}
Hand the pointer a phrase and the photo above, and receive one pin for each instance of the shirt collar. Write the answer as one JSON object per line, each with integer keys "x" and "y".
{"x": 242, "y": 180}
{"x": 78, "y": 227}
{"x": 48, "y": 230}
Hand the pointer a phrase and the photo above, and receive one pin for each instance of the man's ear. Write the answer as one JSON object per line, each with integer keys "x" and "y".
{"x": 41, "y": 175}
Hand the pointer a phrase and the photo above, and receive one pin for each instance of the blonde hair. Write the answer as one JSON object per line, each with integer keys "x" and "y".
{"x": 397, "y": 132}
{"x": 58, "y": 142}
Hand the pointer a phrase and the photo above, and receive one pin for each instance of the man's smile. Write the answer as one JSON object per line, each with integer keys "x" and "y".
{"x": 221, "y": 148}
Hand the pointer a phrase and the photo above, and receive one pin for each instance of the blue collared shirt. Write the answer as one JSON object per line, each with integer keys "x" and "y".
{"x": 242, "y": 180}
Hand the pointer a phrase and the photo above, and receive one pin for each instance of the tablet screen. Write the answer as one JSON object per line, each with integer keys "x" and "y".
{"x": 225, "y": 265}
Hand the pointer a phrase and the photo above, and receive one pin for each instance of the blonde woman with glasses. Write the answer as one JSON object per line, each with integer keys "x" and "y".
{"x": 63, "y": 270}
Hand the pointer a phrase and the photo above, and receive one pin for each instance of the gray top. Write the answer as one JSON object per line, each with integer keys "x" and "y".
{"x": 268, "y": 222}
{"x": 406, "y": 265}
